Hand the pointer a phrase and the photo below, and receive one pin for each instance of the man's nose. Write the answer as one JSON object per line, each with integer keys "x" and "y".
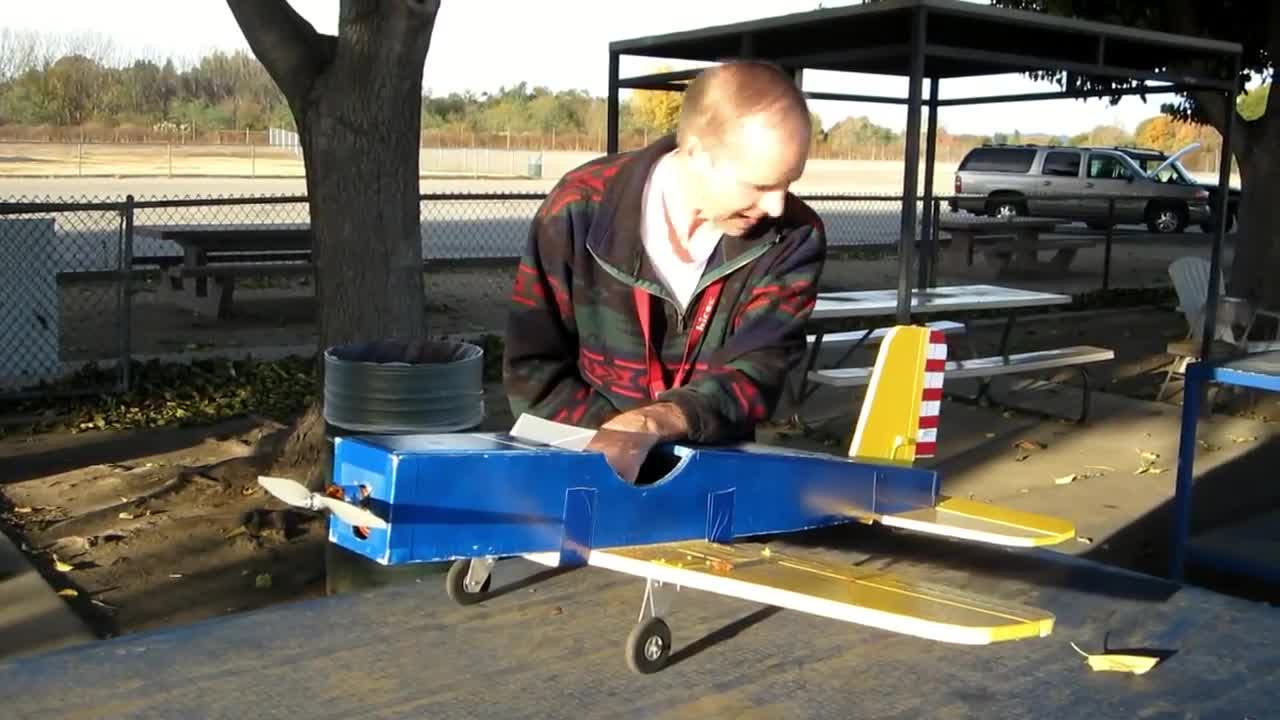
{"x": 772, "y": 202}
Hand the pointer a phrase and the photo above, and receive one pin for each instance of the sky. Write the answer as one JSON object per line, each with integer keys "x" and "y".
{"x": 482, "y": 45}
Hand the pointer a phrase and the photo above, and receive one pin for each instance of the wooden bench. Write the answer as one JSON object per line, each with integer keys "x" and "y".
{"x": 1076, "y": 357}
{"x": 857, "y": 338}
{"x": 223, "y": 277}
{"x": 1009, "y": 255}
{"x": 849, "y": 341}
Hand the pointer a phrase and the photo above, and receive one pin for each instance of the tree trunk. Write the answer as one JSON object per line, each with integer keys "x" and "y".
{"x": 1255, "y": 265}
{"x": 356, "y": 100}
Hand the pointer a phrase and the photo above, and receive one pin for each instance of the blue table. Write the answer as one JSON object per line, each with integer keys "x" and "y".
{"x": 1260, "y": 371}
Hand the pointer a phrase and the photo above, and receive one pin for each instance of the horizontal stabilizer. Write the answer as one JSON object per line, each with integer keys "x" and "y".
{"x": 984, "y": 522}
{"x": 863, "y": 596}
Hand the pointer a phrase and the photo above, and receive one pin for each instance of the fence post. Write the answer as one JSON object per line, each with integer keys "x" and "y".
{"x": 126, "y": 295}
{"x": 1106, "y": 258}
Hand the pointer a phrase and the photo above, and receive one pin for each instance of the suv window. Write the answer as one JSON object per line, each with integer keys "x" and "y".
{"x": 1010, "y": 160}
{"x": 1108, "y": 167}
{"x": 1061, "y": 163}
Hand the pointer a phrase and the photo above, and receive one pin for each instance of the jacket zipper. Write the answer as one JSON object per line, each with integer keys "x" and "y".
{"x": 683, "y": 316}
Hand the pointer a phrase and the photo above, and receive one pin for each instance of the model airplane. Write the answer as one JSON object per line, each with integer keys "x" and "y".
{"x": 540, "y": 492}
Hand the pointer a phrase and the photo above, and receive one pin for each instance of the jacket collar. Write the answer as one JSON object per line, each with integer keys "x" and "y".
{"x": 614, "y": 237}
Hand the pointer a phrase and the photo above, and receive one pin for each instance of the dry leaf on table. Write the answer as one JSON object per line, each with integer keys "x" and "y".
{"x": 1117, "y": 662}
{"x": 1065, "y": 479}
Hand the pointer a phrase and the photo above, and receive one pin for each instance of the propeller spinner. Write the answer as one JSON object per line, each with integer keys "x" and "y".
{"x": 296, "y": 494}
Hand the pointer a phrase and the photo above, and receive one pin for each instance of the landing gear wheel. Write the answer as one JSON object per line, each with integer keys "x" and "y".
{"x": 649, "y": 646}
{"x": 457, "y": 587}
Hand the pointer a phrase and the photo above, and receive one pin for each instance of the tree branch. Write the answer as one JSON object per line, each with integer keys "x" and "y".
{"x": 290, "y": 49}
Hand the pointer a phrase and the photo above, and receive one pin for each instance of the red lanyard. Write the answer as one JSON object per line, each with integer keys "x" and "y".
{"x": 702, "y": 318}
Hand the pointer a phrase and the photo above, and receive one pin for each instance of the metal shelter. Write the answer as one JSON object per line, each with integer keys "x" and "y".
{"x": 945, "y": 39}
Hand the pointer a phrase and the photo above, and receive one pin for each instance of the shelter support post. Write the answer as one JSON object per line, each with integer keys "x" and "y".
{"x": 911, "y": 170}
{"x": 1220, "y": 222}
{"x": 611, "y": 107}
{"x": 927, "y": 249}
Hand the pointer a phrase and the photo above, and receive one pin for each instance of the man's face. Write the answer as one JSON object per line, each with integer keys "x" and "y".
{"x": 746, "y": 178}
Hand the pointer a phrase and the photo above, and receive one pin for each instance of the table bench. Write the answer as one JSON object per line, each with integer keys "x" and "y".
{"x": 1011, "y": 245}
{"x": 852, "y": 340}
{"x": 216, "y": 300}
{"x": 1076, "y": 357}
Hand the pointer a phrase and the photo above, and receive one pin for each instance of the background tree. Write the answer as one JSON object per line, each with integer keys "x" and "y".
{"x": 357, "y": 101}
{"x": 657, "y": 111}
{"x": 1255, "y": 141}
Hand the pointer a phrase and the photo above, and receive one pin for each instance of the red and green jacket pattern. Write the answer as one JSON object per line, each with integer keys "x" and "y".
{"x": 574, "y": 349}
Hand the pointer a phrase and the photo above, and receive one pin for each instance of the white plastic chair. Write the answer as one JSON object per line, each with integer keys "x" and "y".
{"x": 1190, "y": 277}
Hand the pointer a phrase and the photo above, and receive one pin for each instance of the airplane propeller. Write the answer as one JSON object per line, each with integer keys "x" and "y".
{"x": 296, "y": 494}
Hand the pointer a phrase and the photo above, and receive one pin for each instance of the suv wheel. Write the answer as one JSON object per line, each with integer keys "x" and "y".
{"x": 1166, "y": 218}
{"x": 1005, "y": 206}
{"x": 1208, "y": 226}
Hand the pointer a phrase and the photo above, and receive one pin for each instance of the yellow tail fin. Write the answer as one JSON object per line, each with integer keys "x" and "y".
{"x": 899, "y": 418}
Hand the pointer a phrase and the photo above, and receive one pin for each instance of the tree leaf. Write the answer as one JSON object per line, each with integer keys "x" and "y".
{"x": 1117, "y": 662}
{"x": 1065, "y": 479}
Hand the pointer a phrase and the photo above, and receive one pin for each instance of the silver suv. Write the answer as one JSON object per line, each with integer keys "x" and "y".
{"x": 1077, "y": 183}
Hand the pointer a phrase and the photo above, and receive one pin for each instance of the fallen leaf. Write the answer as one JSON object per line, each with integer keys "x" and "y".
{"x": 1149, "y": 456}
{"x": 1084, "y": 539}
{"x": 1029, "y": 445}
{"x": 263, "y": 581}
{"x": 61, "y": 566}
{"x": 68, "y": 592}
{"x": 991, "y": 435}
{"x": 1208, "y": 446}
{"x": 1239, "y": 440}
{"x": 125, "y": 516}
{"x": 175, "y": 575}
{"x": 22, "y": 509}
{"x": 1136, "y": 664}
{"x": 1021, "y": 457}
{"x": 1065, "y": 479}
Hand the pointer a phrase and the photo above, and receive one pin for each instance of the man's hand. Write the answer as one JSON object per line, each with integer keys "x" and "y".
{"x": 664, "y": 420}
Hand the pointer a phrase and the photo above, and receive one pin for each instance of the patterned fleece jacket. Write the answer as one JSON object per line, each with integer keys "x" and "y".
{"x": 574, "y": 349}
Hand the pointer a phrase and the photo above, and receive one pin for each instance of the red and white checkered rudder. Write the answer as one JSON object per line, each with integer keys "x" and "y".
{"x": 931, "y": 396}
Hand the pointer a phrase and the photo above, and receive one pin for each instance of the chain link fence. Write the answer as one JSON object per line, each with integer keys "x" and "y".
{"x": 86, "y": 285}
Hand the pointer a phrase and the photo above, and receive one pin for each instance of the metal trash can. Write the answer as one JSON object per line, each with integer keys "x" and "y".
{"x": 535, "y": 166}
{"x": 395, "y": 388}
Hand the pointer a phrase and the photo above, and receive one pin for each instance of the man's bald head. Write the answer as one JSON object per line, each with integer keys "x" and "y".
{"x": 721, "y": 98}
{"x": 743, "y": 139}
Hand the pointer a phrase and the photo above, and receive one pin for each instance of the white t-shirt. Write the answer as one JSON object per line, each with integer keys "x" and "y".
{"x": 679, "y": 274}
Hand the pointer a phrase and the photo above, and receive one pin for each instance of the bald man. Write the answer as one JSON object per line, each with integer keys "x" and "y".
{"x": 665, "y": 290}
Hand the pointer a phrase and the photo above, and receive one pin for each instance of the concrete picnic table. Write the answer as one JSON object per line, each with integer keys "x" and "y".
{"x": 207, "y": 245}
{"x": 1011, "y": 244}
{"x": 552, "y": 644}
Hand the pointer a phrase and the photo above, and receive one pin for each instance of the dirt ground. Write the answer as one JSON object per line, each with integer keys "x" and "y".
{"x": 165, "y": 526}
